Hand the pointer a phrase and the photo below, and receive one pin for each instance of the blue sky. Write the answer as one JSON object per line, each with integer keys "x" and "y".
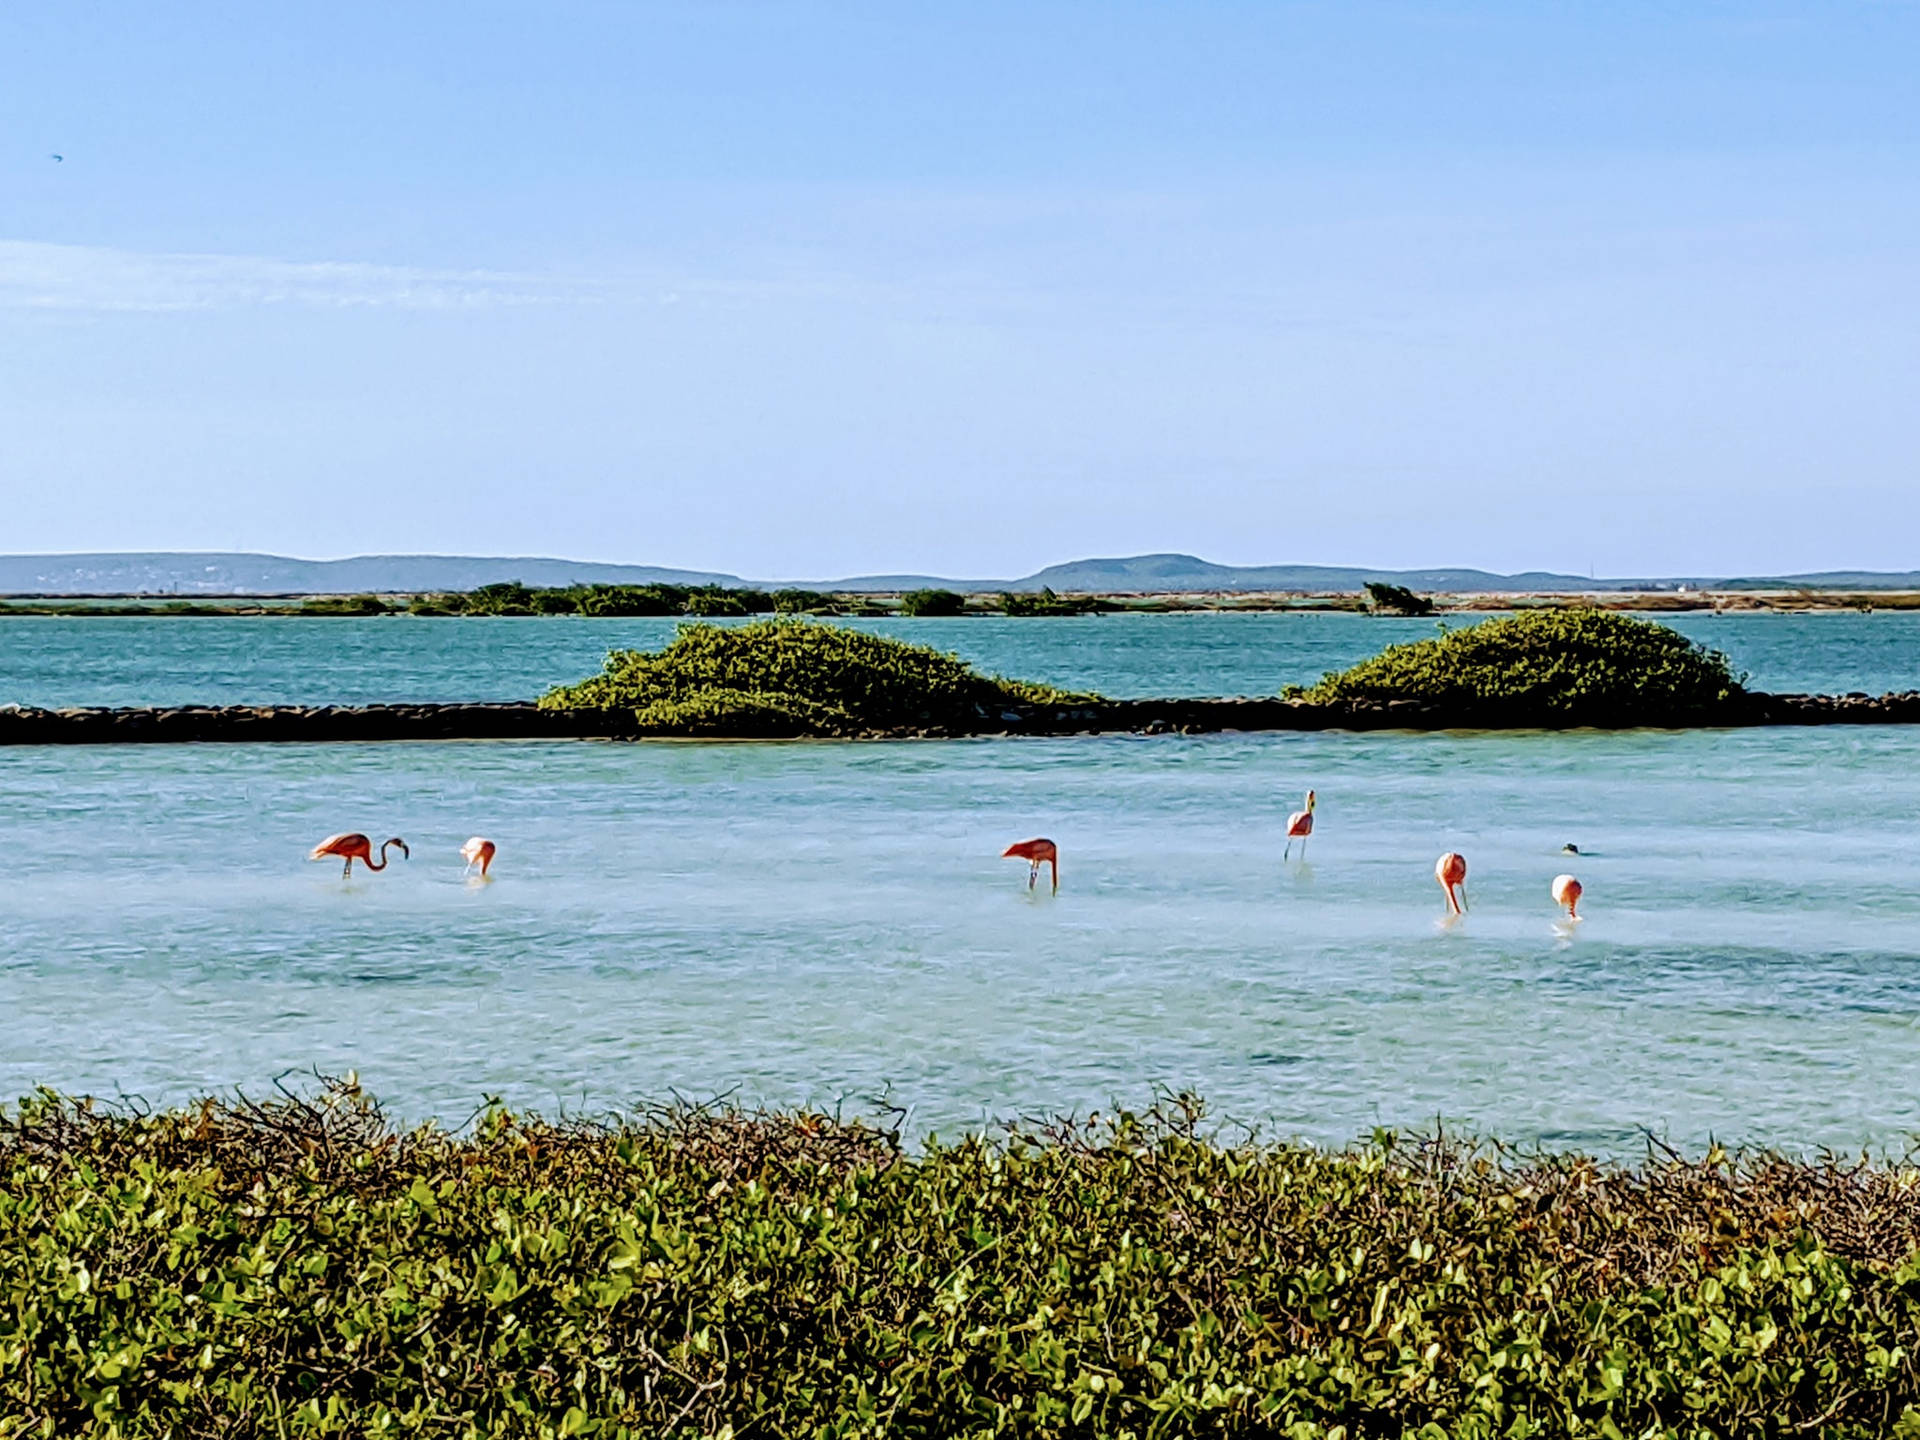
{"x": 813, "y": 289}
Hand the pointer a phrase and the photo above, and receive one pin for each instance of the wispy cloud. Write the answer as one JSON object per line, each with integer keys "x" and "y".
{"x": 40, "y": 276}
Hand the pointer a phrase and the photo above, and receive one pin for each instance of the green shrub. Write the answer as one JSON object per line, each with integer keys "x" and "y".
{"x": 743, "y": 715}
{"x": 932, "y": 602}
{"x": 1387, "y": 599}
{"x": 346, "y": 605}
{"x": 512, "y": 598}
{"x": 799, "y": 602}
{"x": 1048, "y": 603}
{"x": 505, "y": 597}
{"x": 1555, "y": 663}
{"x": 633, "y": 600}
{"x": 720, "y": 600}
{"x": 826, "y": 680}
{"x": 714, "y": 603}
{"x": 302, "y": 1269}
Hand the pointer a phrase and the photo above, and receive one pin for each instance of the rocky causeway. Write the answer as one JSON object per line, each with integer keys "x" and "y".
{"x": 24, "y": 725}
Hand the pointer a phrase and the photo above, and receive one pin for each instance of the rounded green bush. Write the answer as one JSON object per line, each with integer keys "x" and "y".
{"x": 793, "y": 677}
{"x": 1558, "y": 663}
{"x": 742, "y": 714}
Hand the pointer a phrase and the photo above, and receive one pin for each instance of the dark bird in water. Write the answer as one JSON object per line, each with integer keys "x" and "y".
{"x": 56, "y": 157}
{"x": 1569, "y": 849}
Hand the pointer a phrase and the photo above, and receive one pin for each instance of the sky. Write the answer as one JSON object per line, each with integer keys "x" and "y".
{"x": 812, "y": 289}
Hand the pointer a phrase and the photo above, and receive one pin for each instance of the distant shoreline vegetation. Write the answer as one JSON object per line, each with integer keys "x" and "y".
{"x": 510, "y": 598}
{"x": 306, "y": 1267}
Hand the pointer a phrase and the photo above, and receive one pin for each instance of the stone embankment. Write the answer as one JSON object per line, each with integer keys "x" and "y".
{"x": 21, "y": 725}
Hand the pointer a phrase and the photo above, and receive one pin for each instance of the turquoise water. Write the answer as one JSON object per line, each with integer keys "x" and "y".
{"x": 252, "y": 660}
{"x": 830, "y": 923}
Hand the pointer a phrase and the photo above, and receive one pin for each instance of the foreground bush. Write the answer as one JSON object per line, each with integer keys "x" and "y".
{"x": 302, "y": 1269}
{"x": 1556, "y": 663}
{"x": 793, "y": 677}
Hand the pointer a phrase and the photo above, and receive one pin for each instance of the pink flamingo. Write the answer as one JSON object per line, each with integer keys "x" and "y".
{"x": 1299, "y": 827}
{"x": 1567, "y": 891}
{"x": 355, "y": 846}
{"x": 1035, "y": 853}
{"x": 479, "y": 851}
{"x": 1451, "y": 871}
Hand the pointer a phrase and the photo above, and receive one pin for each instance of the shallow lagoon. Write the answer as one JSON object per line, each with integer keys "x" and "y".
{"x": 829, "y": 922}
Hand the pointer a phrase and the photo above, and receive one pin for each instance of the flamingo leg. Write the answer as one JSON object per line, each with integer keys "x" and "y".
{"x": 1033, "y": 873}
{"x": 347, "y": 872}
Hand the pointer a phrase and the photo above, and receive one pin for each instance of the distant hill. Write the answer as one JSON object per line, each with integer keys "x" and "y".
{"x": 219, "y": 573}
{"x": 1162, "y": 574}
{"x": 1186, "y": 572}
{"x": 1828, "y": 580}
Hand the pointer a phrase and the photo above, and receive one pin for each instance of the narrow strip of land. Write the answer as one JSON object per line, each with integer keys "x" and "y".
{"x": 152, "y": 724}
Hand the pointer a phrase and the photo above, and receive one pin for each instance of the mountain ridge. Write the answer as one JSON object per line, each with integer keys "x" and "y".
{"x": 217, "y": 572}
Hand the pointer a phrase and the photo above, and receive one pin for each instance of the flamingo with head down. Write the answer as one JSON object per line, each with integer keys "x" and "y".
{"x": 352, "y": 846}
{"x": 1036, "y": 853}
{"x": 1451, "y": 871}
{"x": 479, "y": 851}
{"x": 1567, "y": 891}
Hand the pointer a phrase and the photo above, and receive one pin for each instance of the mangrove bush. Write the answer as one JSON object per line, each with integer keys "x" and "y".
{"x": 346, "y": 605}
{"x": 1558, "y": 664}
{"x": 302, "y": 1268}
{"x": 794, "y": 677}
{"x": 932, "y": 602}
{"x": 1045, "y": 602}
{"x": 1385, "y": 599}
{"x": 799, "y": 602}
{"x": 510, "y": 597}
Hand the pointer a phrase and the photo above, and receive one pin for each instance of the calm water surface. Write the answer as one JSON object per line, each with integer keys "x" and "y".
{"x": 256, "y": 660}
{"x": 818, "y": 922}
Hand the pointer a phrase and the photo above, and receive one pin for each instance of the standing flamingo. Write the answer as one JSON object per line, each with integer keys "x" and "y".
{"x": 355, "y": 846}
{"x": 479, "y": 851}
{"x": 1451, "y": 871}
{"x": 1034, "y": 852}
{"x": 1299, "y": 827}
{"x": 1567, "y": 891}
